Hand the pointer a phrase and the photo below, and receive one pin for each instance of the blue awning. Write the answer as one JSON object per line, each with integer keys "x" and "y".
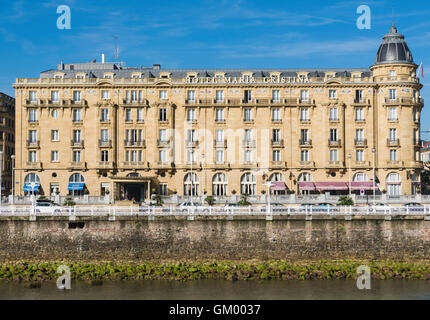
{"x": 76, "y": 186}
{"x": 28, "y": 188}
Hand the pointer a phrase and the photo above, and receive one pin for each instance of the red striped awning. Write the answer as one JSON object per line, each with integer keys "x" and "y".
{"x": 327, "y": 186}
{"x": 306, "y": 186}
{"x": 362, "y": 185}
{"x": 278, "y": 186}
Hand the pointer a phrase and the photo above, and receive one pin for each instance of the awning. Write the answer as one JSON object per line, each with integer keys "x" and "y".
{"x": 327, "y": 186}
{"x": 31, "y": 187}
{"x": 394, "y": 182}
{"x": 306, "y": 186}
{"x": 76, "y": 186}
{"x": 363, "y": 185}
{"x": 278, "y": 186}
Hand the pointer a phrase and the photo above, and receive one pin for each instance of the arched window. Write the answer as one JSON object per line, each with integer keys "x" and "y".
{"x": 219, "y": 185}
{"x": 394, "y": 184}
{"x": 277, "y": 177}
{"x": 248, "y": 184}
{"x": 191, "y": 185}
{"x": 76, "y": 177}
{"x": 32, "y": 177}
{"x": 305, "y": 177}
{"x": 360, "y": 177}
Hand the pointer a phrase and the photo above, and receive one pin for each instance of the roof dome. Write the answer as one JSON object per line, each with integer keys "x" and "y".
{"x": 394, "y": 49}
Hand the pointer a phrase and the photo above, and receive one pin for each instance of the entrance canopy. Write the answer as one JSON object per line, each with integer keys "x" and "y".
{"x": 329, "y": 186}
{"x": 362, "y": 185}
{"x": 76, "y": 186}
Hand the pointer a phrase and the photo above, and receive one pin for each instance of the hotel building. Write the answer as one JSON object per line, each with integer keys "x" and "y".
{"x": 102, "y": 127}
{"x": 7, "y": 141}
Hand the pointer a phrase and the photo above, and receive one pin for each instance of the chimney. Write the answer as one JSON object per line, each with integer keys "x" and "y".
{"x": 156, "y": 67}
{"x": 103, "y": 58}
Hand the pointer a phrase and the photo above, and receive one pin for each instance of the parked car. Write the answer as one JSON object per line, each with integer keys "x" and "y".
{"x": 192, "y": 206}
{"x": 47, "y": 207}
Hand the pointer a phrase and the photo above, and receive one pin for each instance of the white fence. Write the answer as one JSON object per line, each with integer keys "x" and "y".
{"x": 111, "y": 212}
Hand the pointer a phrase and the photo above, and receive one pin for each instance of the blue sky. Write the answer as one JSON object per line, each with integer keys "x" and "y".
{"x": 207, "y": 34}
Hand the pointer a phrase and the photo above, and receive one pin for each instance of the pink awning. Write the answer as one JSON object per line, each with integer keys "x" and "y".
{"x": 362, "y": 185}
{"x": 278, "y": 186}
{"x": 306, "y": 186}
{"x": 327, "y": 186}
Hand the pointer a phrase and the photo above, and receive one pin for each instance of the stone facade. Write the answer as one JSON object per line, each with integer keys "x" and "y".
{"x": 120, "y": 111}
{"x": 7, "y": 140}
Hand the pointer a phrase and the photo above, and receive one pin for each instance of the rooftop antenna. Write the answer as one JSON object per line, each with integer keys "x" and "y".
{"x": 116, "y": 48}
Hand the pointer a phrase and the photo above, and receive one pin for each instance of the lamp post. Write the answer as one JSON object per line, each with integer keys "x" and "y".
{"x": 13, "y": 182}
{"x": 349, "y": 173}
{"x": 374, "y": 177}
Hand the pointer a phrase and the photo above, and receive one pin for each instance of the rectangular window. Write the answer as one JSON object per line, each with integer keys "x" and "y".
{"x": 304, "y": 114}
{"x": 191, "y": 95}
{"x": 219, "y": 114}
{"x": 139, "y": 115}
{"x": 276, "y": 135}
{"x": 162, "y": 154}
{"x": 54, "y": 156}
{"x": 304, "y": 95}
{"x": 191, "y": 135}
{"x": 32, "y": 136}
{"x": 219, "y": 95}
{"x": 358, "y": 96}
{"x": 247, "y": 96}
{"x": 247, "y": 114}
{"x": 163, "y": 190}
{"x": 134, "y": 95}
{"x": 393, "y": 155}
{"x": 33, "y": 96}
{"x": 105, "y": 94}
{"x": 332, "y": 94}
{"x": 393, "y": 74}
{"x": 128, "y": 117}
{"x": 359, "y": 134}
{"x": 162, "y": 114}
{"x": 104, "y": 115}
{"x": 276, "y": 95}
{"x": 77, "y": 115}
{"x": 55, "y": 96}
{"x": 191, "y": 115}
{"x": 392, "y": 94}
{"x": 76, "y": 156}
{"x": 276, "y": 155}
{"x": 219, "y": 135}
{"x": 392, "y": 114}
{"x": 163, "y": 94}
{"x": 104, "y": 135}
{"x": 304, "y": 136}
{"x": 359, "y": 114}
{"x": 220, "y": 156}
{"x": 76, "y": 135}
{"x": 248, "y": 155}
{"x": 304, "y": 155}
{"x": 163, "y": 134}
{"x": 33, "y": 115}
{"x": 333, "y": 114}
{"x": 333, "y": 134}
{"x": 248, "y": 135}
{"x": 55, "y": 135}
{"x": 191, "y": 155}
{"x": 276, "y": 114}
{"x": 393, "y": 134}
{"x": 359, "y": 155}
{"x": 76, "y": 96}
{"x": 333, "y": 155}
{"x": 32, "y": 156}
{"x": 104, "y": 156}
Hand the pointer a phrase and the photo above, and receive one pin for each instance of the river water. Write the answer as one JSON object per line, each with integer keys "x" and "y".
{"x": 222, "y": 290}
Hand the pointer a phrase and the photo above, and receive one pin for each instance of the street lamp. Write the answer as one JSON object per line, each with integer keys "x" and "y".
{"x": 349, "y": 173}
{"x": 13, "y": 182}
{"x": 374, "y": 177}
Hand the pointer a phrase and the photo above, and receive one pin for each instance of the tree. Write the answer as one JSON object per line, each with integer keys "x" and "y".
{"x": 69, "y": 202}
{"x": 210, "y": 200}
{"x": 158, "y": 200}
{"x": 346, "y": 201}
{"x": 244, "y": 201}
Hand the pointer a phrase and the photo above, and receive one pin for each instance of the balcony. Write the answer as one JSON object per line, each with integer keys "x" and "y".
{"x": 393, "y": 142}
{"x": 308, "y": 102}
{"x": 403, "y": 101}
{"x": 220, "y": 144}
{"x": 104, "y": 164}
{"x": 164, "y": 164}
{"x": 305, "y": 143}
{"x": 135, "y": 143}
{"x": 362, "y": 164}
{"x": 191, "y": 143}
{"x": 277, "y": 143}
{"x": 278, "y": 164}
{"x": 249, "y": 143}
{"x": 307, "y": 164}
{"x": 77, "y": 144}
{"x": 136, "y": 102}
{"x": 361, "y": 102}
{"x": 33, "y": 165}
{"x": 248, "y": 121}
{"x": 250, "y": 164}
{"x": 276, "y": 102}
{"x": 335, "y": 143}
{"x": 163, "y": 143}
{"x": 248, "y": 101}
{"x": 33, "y": 144}
{"x": 262, "y": 101}
{"x": 360, "y": 142}
{"x": 134, "y": 164}
{"x": 394, "y": 164}
{"x": 105, "y": 143}
{"x": 305, "y": 120}
{"x": 77, "y": 122}
{"x": 335, "y": 164}
{"x": 77, "y": 165}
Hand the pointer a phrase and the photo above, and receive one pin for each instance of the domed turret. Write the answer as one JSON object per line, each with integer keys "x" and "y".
{"x": 394, "y": 49}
